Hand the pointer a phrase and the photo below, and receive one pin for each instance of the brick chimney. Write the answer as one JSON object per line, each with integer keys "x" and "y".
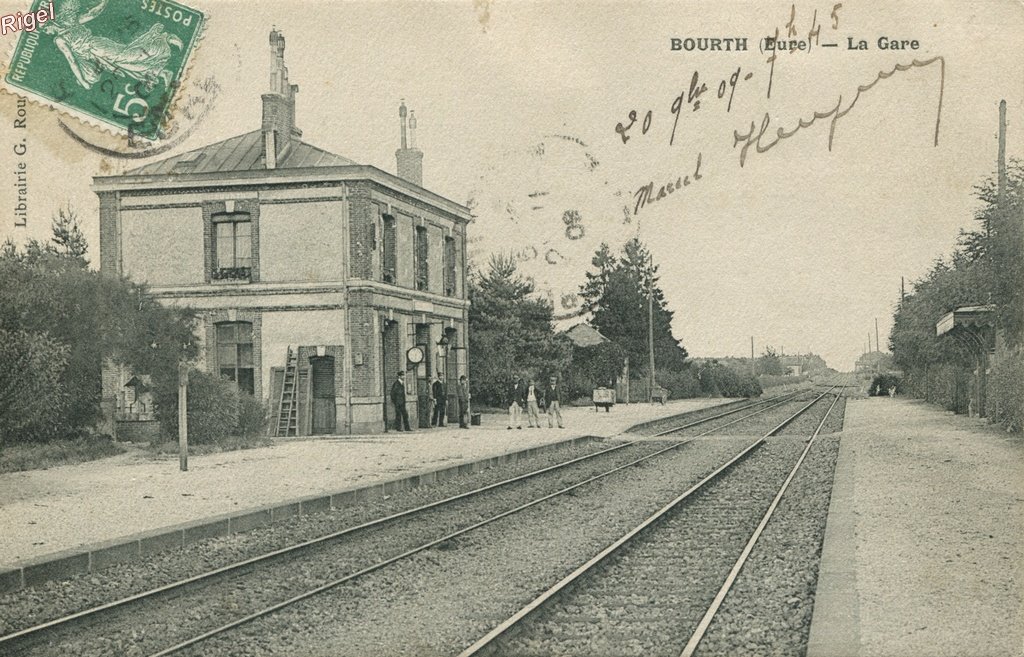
{"x": 278, "y": 107}
{"x": 410, "y": 158}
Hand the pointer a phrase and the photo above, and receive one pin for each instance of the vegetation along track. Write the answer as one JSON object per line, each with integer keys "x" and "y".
{"x": 656, "y": 590}
{"x": 204, "y": 604}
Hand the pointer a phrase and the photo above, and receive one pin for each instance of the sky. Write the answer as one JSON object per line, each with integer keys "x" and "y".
{"x": 802, "y": 247}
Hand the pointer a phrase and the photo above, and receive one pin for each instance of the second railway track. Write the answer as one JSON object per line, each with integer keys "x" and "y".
{"x": 657, "y": 589}
{"x": 203, "y": 613}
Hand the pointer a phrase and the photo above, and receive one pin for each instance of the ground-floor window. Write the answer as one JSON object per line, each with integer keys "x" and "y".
{"x": 234, "y": 354}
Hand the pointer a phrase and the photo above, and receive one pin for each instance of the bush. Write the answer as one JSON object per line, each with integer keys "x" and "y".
{"x": 217, "y": 411}
{"x": 212, "y": 408}
{"x": 253, "y": 416}
{"x": 771, "y": 381}
{"x": 33, "y": 398}
{"x": 682, "y": 384}
{"x": 881, "y": 384}
{"x": 16, "y": 458}
{"x": 1006, "y": 392}
{"x": 719, "y": 380}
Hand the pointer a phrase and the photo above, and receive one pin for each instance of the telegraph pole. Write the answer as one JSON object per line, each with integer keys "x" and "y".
{"x": 650, "y": 327}
{"x": 877, "y": 343}
{"x": 183, "y": 416}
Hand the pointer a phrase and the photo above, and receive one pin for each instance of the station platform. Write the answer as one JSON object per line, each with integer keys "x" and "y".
{"x": 68, "y": 519}
{"x": 923, "y": 553}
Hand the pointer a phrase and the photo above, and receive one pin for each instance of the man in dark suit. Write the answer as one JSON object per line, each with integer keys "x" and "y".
{"x": 553, "y": 402}
{"x": 516, "y": 401}
{"x": 439, "y": 395}
{"x": 398, "y": 400}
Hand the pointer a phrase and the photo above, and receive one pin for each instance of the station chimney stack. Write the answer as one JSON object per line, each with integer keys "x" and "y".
{"x": 278, "y": 107}
{"x": 409, "y": 158}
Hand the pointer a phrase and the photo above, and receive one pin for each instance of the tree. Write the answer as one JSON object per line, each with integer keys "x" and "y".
{"x": 770, "y": 363}
{"x": 986, "y": 267}
{"x": 510, "y": 332}
{"x": 32, "y": 394}
{"x": 599, "y": 364}
{"x": 47, "y": 293}
{"x": 68, "y": 239}
{"x": 617, "y": 295}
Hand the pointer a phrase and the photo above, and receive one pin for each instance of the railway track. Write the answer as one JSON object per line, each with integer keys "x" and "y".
{"x": 636, "y": 572}
{"x": 114, "y": 619}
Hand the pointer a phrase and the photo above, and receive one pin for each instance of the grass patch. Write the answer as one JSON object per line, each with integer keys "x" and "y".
{"x": 226, "y": 444}
{"x": 40, "y": 456}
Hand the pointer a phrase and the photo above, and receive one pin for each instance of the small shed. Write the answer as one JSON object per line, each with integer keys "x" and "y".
{"x": 974, "y": 328}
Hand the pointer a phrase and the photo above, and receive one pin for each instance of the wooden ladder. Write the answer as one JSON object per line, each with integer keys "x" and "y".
{"x": 288, "y": 406}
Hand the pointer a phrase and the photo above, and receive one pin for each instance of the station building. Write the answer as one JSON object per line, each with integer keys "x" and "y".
{"x": 314, "y": 277}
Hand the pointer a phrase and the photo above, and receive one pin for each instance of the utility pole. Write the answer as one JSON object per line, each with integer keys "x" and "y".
{"x": 183, "y": 416}
{"x": 753, "y": 371}
{"x": 650, "y": 326}
{"x": 877, "y": 343}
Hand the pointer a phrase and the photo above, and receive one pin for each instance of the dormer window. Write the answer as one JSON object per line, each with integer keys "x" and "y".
{"x": 232, "y": 246}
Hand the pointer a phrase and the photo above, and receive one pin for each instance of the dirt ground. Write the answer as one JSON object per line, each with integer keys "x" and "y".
{"x": 924, "y": 553}
{"x": 46, "y": 511}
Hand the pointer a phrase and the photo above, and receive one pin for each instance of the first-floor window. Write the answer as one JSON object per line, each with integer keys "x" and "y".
{"x": 421, "y": 251}
{"x": 233, "y": 245}
{"x": 234, "y": 354}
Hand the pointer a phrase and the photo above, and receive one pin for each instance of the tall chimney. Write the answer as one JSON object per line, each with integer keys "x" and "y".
{"x": 410, "y": 158}
{"x": 278, "y": 107}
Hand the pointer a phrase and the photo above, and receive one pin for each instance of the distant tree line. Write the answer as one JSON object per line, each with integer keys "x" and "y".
{"x": 986, "y": 267}
{"x": 511, "y": 333}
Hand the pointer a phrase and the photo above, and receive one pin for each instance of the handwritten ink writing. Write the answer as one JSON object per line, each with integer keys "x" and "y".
{"x": 646, "y": 195}
{"x": 690, "y": 97}
{"x": 775, "y": 45}
{"x": 754, "y": 136}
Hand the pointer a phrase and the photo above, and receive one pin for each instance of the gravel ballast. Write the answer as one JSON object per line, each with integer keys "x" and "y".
{"x": 153, "y": 625}
{"x": 768, "y": 610}
{"x": 647, "y": 600}
{"x": 53, "y": 599}
{"x": 442, "y": 600}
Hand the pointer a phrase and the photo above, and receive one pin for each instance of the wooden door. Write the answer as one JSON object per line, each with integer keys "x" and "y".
{"x": 324, "y": 409}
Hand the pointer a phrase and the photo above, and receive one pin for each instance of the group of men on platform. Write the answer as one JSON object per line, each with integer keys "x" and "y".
{"x": 527, "y": 398}
{"x": 523, "y": 398}
{"x": 439, "y": 399}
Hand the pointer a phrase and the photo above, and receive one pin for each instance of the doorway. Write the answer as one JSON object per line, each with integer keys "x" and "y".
{"x": 391, "y": 366}
{"x": 324, "y": 408}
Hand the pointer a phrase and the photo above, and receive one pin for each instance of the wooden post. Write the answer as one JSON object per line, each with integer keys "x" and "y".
{"x": 626, "y": 371}
{"x": 183, "y": 416}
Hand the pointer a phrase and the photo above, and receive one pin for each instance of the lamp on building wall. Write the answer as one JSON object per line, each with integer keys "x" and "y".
{"x": 442, "y": 356}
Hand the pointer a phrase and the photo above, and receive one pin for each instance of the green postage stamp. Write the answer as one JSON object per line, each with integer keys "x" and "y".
{"x": 114, "y": 61}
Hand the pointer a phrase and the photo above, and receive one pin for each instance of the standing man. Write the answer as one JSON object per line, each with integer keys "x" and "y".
{"x": 398, "y": 400}
{"x": 516, "y": 399}
{"x": 463, "y": 396}
{"x": 439, "y": 395}
{"x": 532, "y": 412}
{"x": 553, "y": 400}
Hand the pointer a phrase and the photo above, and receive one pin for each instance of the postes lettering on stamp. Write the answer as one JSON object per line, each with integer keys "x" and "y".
{"x": 118, "y": 63}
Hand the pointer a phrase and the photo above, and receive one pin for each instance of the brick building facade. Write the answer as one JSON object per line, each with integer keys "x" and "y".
{"x": 283, "y": 247}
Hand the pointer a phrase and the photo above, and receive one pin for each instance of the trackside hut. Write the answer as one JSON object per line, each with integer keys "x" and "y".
{"x": 299, "y": 261}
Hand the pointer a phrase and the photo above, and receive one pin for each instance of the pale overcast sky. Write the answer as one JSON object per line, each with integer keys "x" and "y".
{"x": 517, "y": 105}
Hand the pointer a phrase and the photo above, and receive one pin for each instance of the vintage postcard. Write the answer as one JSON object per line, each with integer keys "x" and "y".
{"x": 511, "y": 328}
